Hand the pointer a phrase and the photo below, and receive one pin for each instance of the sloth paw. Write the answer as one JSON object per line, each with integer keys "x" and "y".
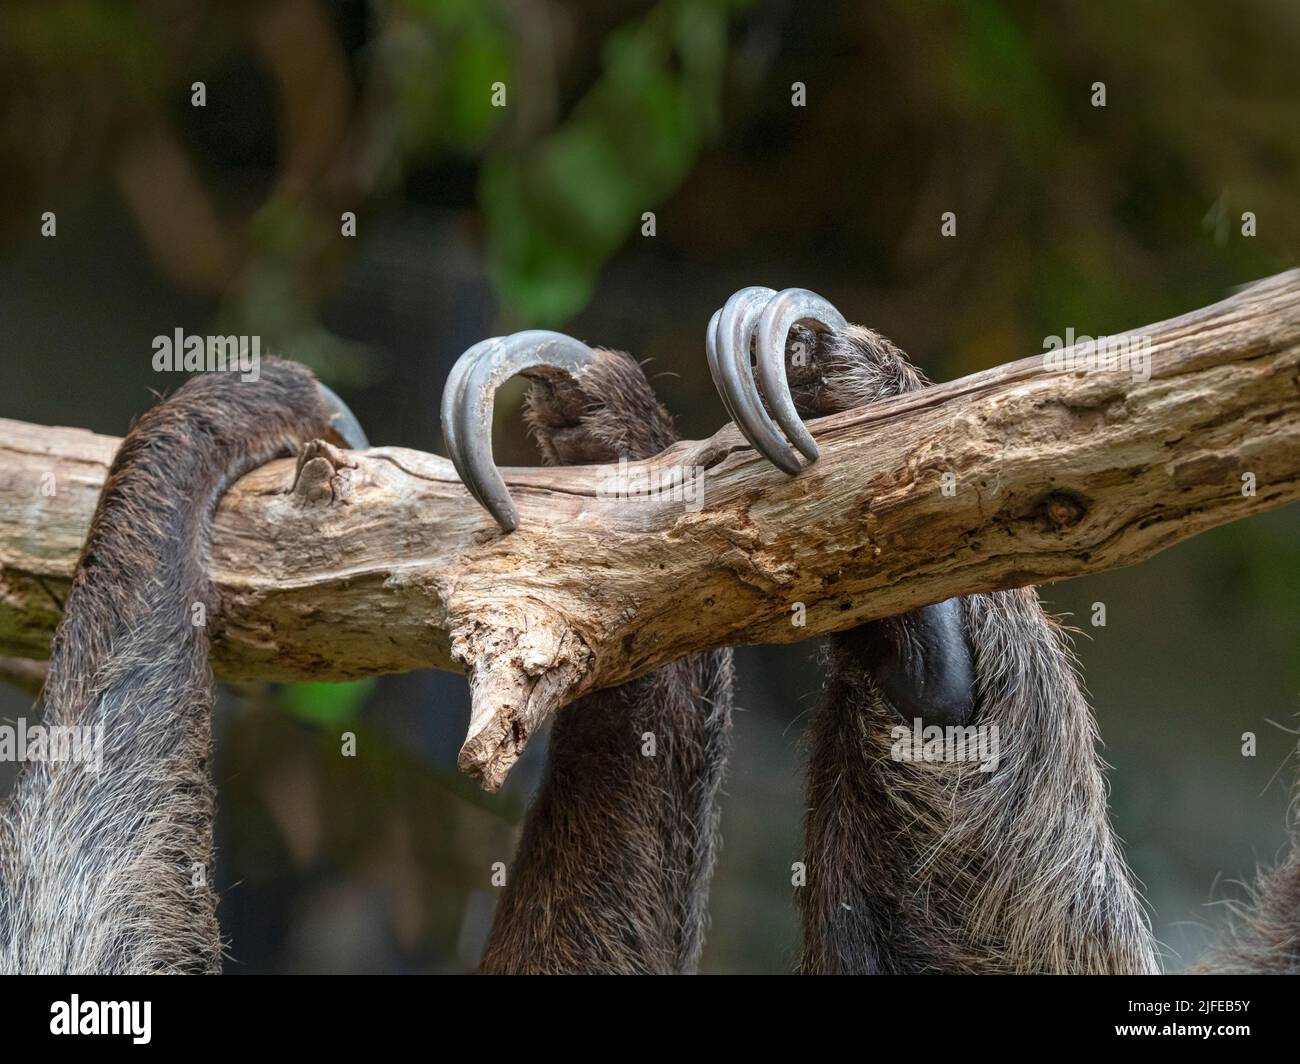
{"x": 586, "y": 405}
{"x": 607, "y": 412}
{"x": 780, "y": 357}
{"x": 809, "y": 361}
{"x": 833, "y": 371}
{"x": 921, "y": 662}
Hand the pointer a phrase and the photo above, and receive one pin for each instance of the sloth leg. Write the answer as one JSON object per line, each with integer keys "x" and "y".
{"x": 613, "y": 868}
{"x": 107, "y": 868}
{"x": 997, "y": 855}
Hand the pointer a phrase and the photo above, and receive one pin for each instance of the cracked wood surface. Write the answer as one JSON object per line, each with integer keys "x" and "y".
{"x": 345, "y": 565}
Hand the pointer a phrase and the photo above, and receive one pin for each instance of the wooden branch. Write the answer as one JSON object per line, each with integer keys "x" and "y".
{"x": 380, "y": 562}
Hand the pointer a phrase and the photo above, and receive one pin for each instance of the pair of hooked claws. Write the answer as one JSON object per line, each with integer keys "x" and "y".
{"x": 754, "y": 318}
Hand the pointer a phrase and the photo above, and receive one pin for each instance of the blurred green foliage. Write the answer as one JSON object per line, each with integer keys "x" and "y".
{"x": 467, "y": 46}
{"x": 329, "y": 705}
{"x": 560, "y": 207}
{"x": 95, "y": 41}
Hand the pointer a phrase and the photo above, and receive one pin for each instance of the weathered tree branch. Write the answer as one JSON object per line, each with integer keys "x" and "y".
{"x": 380, "y": 562}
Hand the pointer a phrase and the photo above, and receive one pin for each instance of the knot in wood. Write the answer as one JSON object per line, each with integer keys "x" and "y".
{"x": 1061, "y": 510}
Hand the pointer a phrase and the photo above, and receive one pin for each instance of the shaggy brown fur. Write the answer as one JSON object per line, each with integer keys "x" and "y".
{"x": 937, "y": 866}
{"x": 111, "y": 871}
{"x": 613, "y": 869}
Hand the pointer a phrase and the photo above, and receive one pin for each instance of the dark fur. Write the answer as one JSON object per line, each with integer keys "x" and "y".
{"x": 938, "y": 867}
{"x": 97, "y": 871}
{"x": 613, "y": 869}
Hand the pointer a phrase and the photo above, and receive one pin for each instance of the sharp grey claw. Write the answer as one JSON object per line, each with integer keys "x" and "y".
{"x": 782, "y": 312}
{"x": 731, "y": 332}
{"x": 467, "y": 402}
{"x": 342, "y": 420}
{"x": 715, "y": 367}
{"x": 451, "y": 397}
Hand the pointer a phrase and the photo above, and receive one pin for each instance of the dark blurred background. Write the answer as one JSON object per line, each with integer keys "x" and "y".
{"x": 473, "y": 219}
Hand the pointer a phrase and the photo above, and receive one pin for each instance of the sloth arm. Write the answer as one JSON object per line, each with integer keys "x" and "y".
{"x": 613, "y": 868}
{"x": 110, "y": 871}
{"x": 1003, "y": 864}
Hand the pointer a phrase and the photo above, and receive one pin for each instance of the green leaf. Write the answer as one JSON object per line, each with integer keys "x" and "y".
{"x": 326, "y": 704}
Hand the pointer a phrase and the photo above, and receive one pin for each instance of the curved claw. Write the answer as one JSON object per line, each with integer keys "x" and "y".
{"x": 715, "y": 367}
{"x": 342, "y": 420}
{"x": 727, "y": 342}
{"x": 467, "y": 401}
{"x": 723, "y": 379}
{"x": 783, "y": 311}
{"x": 451, "y": 395}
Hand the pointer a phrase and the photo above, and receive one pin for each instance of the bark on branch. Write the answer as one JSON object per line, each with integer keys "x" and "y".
{"x": 347, "y": 565}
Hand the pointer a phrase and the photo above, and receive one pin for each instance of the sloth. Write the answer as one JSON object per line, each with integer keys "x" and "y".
{"x": 108, "y": 872}
{"x": 916, "y": 866}
{"x": 912, "y": 866}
